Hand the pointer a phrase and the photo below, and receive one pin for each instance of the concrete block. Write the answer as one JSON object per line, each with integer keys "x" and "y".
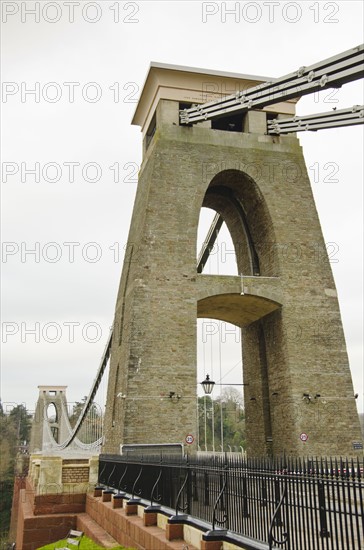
{"x": 174, "y": 531}
{"x": 255, "y": 122}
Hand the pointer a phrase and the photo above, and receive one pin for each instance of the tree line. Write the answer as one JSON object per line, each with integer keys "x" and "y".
{"x": 14, "y": 433}
{"x": 221, "y": 421}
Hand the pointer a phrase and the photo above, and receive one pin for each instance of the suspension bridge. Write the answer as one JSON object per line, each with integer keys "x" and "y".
{"x": 329, "y": 73}
{"x": 296, "y": 374}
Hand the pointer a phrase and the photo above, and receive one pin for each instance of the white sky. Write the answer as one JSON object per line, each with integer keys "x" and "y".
{"x": 115, "y": 54}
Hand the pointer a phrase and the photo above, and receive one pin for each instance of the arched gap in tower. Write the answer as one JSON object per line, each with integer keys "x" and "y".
{"x": 51, "y": 412}
{"x": 221, "y": 259}
{"x": 219, "y": 355}
{"x": 239, "y": 200}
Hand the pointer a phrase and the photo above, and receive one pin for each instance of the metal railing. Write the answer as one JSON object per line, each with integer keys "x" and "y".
{"x": 300, "y": 504}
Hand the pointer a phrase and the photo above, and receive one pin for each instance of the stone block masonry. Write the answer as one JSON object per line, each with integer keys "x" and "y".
{"x": 53, "y": 495}
{"x": 293, "y": 341}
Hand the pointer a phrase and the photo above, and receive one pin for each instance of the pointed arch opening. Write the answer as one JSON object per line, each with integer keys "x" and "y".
{"x": 237, "y": 199}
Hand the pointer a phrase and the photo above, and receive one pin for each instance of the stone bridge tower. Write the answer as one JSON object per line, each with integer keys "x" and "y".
{"x": 295, "y": 362}
{"x": 50, "y": 422}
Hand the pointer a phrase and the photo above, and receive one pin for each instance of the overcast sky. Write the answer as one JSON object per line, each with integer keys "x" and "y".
{"x": 104, "y": 49}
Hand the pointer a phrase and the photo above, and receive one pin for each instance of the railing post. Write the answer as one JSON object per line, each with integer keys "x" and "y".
{"x": 264, "y": 499}
{"x": 109, "y": 480}
{"x": 277, "y": 497}
{"x": 194, "y": 486}
{"x": 324, "y": 533}
{"x": 276, "y": 519}
{"x": 245, "y": 498}
{"x": 150, "y": 516}
{"x": 207, "y": 488}
{"x": 212, "y": 540}
{"x": 101, "y": 471}
{"x": 132, "y": 504}
{"x": 154, "y": 495}
{"x": 189, "y": 489}
{"x": 185, "y": 505}
{"x": 175, "y": 523}
{"x": 220, "y": 500}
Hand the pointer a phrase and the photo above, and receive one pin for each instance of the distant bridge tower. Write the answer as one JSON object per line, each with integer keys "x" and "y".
{"x": 50, "y": 423}
{"x": 299, "y": 395}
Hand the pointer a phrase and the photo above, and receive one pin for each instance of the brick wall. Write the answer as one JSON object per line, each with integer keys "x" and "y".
{"x": 19, "y": 484}
{"x": 75, "y": 474}
{"x": 34, "y": 531}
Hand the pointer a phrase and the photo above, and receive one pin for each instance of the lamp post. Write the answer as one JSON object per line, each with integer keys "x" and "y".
{"x": 208, "y": 385}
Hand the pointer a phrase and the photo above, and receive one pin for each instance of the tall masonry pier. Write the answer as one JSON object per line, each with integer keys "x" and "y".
{"x": 298, "y": 395}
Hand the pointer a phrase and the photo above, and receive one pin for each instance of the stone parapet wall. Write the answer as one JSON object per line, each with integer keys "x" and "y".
{"x": 57, "y": 475}
{"x": 132, "y": 526}
{"x": 34, "y": 531}
{"x": 19, "y": 484}
{"x": 50, "y": 499}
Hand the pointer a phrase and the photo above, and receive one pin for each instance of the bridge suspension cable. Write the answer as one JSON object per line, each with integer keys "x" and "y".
{"x": 209, "y": 242}
{"x": 89, "y": 401}
{"x": 319, "y": 121}
{"x": 333, "y": 72}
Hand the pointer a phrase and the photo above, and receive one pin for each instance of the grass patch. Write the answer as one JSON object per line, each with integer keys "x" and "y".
{"x": 85, "y": 544}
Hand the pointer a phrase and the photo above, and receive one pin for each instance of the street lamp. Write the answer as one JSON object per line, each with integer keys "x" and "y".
{"x": 208, "y": 385}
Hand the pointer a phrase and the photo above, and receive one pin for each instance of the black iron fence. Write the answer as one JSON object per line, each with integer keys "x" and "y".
{"x": 295, "y": 504}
